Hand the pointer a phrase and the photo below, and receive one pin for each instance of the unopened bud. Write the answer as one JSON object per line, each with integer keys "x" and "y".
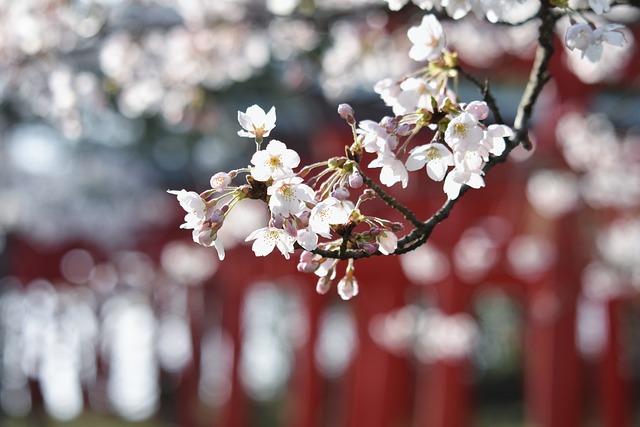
{"x": 340, "y": 193}
{"x": 355, "y": 180}
{"x": 306, "y": 256}
{"x": 348, "y": 286}
{"x": 478, "y": 109}
{"x": 217, "y": 216}
{"x": 346, "y": 112}
{"x": 403, "y": 130}
{"x": 368, "y": 247}
{"x": 308, "y": 267}
{"x": 323, "y": 285}
{"x": 389, "y": 123}
{"x": 397, "y": 226}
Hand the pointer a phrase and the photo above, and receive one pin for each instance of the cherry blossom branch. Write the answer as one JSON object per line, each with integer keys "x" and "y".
{"x": 392, "y": 202}
{"x": 539, "y": 76}
{"x": 460, "y": 150}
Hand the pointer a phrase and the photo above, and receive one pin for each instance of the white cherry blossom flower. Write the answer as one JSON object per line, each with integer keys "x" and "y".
{"x": 579, "y": 36}
{"x": 376, "y": 139}
{"x": 611, "y": 34}
{"x": 393, "y": 170}
{"x": 399, "y": 4}
{"x": 387, "y": 241}
{"x": 276, "y": 161}
{"x": 435, "y": 156}
{"x": 583, "y": 37}
{"x": 463, "y": 132}
{"x": 388, "y": 89}
{"x": 208, "y": 237}
{"x": 415, "y": 93}
{"x": 328, "y": 212}
{"x": 459, "y": 177}
{"x": 425, "y": 4}
{"x": 599, "y": 6}
{"x": 288, "y": 196}
{"x": 256, "y": 123}
{"x": 412, "y": 94}
{"x": 494, "y": 138}
{"x": 456, "y": 9}
{"x": 220, "y": 181}
{"x": 428, "y": 39}
{"x": 471, "y": 160}
{"x": 268, "y": 238}
{"x": 194, "y": 205}
{"x": 307, "y": 239}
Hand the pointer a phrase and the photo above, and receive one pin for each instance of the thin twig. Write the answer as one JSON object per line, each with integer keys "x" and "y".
{"x": 392, "y": 202}
{"x": 486, "y": 94}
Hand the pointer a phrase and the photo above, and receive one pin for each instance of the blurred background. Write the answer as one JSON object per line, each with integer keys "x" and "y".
{"x": 522, "y": 309}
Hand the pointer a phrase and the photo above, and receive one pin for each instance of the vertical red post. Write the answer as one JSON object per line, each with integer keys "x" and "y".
{"x": 234, "y": 278}
{"x": 443, "y": 395}
{"x": 552, "y": 366}
{"x": 614, "y": 388}
{"x": 306, "y": 394}
{"x": 188, "y": 399}
{"x": 379, "y": 383}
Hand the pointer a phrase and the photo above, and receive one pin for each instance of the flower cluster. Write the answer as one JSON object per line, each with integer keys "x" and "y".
{"x": 583, "y": 36}
{"x": 589, "y": 40}
{"x": 313, "y": 207}
{"x": 300, "y": 213}
{"x": 318, "y": 208}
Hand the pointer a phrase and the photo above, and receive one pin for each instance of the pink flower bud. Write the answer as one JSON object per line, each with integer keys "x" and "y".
{"x": 323, "y": 286}
{"x": 348, "y": 287}
{"x": 389, "y": 123}
{"x": 355, "y": 180}
{"x": 340, "y": 193}
{"x": 308, "y": 267}
{"x": 306, "y": 256}
{"x": 403, "y": 129}
{"x": 346, "y": 112}
{"x": 368, "y": 247}
{"x": 217, "y": 216}
{"x": 478, "y": 109}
